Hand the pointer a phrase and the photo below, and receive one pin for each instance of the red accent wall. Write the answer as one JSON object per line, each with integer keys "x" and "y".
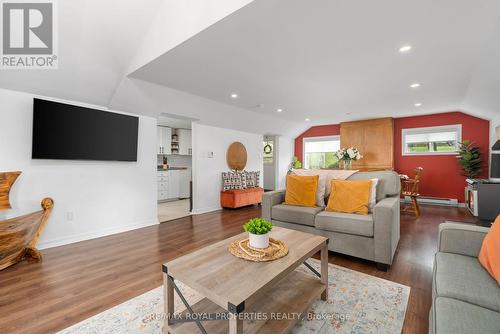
{"x": 315, "y": 131}
{"x": 441, "y": 176}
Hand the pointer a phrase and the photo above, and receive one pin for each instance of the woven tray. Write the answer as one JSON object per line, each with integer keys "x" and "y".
{"x": 242, "y": 249}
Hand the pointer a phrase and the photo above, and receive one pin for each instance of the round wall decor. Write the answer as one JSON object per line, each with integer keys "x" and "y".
{"x": 236, "y": 156}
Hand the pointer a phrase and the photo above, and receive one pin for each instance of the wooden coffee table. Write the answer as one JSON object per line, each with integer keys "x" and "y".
{"x": 252, "y": 297}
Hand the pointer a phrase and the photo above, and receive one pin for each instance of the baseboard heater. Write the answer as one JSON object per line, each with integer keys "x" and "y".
{"x": 434, "y": 201}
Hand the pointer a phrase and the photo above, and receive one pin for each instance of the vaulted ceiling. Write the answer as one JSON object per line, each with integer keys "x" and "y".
{"x": 336, "y": 60}
{"x": 327, "y": 60}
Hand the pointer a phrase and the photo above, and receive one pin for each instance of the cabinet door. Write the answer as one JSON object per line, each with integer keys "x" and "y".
{"x": 164, "y": 138}
{"x": 167, "y": 141}
{"x": 375, "y": 141}
{"x": 173, "y": 183}
{"x": 159, "y": 139}
{"x": 184, "y": 141}
{"x": 184, "y": 183}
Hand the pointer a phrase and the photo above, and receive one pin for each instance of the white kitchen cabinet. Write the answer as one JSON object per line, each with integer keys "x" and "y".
{"x": 173, "y": 183}
{"x": 185, "y": 141}
{"x": 162, "y": 185}
{"x": 164, "y": 140}
{"x": 184, "y": 186}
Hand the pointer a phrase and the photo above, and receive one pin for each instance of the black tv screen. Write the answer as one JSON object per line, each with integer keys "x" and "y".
{"x": 63, "y": 131}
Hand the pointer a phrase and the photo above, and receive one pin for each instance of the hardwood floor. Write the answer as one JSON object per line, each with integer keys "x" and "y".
{"x": 76, "y": 281}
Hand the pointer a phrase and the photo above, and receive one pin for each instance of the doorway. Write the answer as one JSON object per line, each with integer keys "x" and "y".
{"x": 270, "y": 160}
{"x": 174, "y": 167}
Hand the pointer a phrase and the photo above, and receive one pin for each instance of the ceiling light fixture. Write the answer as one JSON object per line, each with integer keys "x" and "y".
{"x": 279, "y": 110}
{"x": 307, "y": 119}
{"x": 418, "y": 104}
{"x": 234, "y": 96}
{"x": 405, "y": 48}
{"x": 415, "y": 85}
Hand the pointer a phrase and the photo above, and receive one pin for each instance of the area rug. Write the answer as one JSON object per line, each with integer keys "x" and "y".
{"x": 358, "y": 303}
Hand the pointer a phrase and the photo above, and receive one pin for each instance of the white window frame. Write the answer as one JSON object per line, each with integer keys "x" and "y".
{"x": 320, "y": 138}
{"x": 431, "y": 129}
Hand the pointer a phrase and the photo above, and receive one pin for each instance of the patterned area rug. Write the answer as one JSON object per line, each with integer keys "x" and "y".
{"x": 358, "y": 303}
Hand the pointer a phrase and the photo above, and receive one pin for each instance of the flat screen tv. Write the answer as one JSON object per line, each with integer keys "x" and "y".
{"x": 64, "y": 131}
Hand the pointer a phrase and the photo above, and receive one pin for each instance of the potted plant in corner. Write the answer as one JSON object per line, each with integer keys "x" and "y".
{"x": 469, "y": 159}
{"x": 258, "y": 232}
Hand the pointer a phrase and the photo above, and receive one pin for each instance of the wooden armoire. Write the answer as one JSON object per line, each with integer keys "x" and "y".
{"x": 375, "y": 140}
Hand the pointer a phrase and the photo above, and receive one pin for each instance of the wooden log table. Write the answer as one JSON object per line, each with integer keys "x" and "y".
{"x": 252, "y": 297}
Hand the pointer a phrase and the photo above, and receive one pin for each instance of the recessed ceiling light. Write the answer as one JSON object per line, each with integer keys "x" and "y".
{"x": 234, "y": 96}
{"x": 418, "y": 104}
{"x": 307, "y": 119}
{"x": 405, "y": 48}
{"x": 415, "y": 85}
{"x": 279, "y": 110}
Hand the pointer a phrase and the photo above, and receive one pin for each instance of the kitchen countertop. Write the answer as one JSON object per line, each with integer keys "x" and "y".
{"x": 171, "y": 168}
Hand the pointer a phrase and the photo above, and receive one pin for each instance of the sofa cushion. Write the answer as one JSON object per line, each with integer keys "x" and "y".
{"x": 301, "y": 190}
{"x": 351, "y": 196}
{"x": 295, "y": 214}
{"x": 489, "y": 256}
{"x": 389, "y": 183}
{"x": 453, "y": 316}
{"x": 462, "y": 277}
{"x": 345, "y": 223}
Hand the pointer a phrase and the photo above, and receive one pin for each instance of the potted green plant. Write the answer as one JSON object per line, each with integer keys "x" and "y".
{"x": 469, "y": 159}
{"x": 258, "y": 232}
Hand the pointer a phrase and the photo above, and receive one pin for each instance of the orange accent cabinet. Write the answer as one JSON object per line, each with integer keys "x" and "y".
{"x": 241, "y": 197}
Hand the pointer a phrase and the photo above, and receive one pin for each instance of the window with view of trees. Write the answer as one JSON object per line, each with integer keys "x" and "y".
{"x": 319, "y": 152}
{"x": 432, "y": 140}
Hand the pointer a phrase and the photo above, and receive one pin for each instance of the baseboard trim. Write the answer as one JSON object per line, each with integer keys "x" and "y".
{"x": 453, "y": 203}
{"x": 205, "y": 210}
{"x": 93, "y": 235}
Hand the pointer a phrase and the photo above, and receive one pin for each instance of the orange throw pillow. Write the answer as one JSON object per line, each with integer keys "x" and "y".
{"x": 301, "y": 190}
{"x": 489, "y": 256}
{"x": 350, "y": 196}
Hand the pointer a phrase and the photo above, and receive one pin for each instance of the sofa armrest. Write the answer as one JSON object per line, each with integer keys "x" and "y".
{"x": 270, "y": 199}
{"x": 386, "y": 215}
{"x": 463, "y": 239}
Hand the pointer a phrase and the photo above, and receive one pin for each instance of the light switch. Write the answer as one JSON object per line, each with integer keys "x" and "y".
{"x": 210, "y": 155}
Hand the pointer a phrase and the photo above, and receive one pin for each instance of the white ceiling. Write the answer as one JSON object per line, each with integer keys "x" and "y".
{"x": 336, "y": 60}
{"x": 97, "y": 40}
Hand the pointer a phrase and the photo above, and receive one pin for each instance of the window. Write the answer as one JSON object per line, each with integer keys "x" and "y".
{"x": 432, "y": 140}
{"x": 319, "y": 152}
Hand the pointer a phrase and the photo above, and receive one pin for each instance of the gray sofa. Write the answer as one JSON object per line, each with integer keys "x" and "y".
{"x": 373, "y": 237}
{"x": 465, "y": 298}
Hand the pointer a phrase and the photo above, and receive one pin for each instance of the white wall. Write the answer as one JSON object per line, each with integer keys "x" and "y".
{"x": 286, "y": 152}
{"x": 104, "y": 197}
{"x": 207, "y": 181}
{"x": 493, "y": 124}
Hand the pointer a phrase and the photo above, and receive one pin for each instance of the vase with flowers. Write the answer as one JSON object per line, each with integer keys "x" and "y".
{"x": 347, "y": 155}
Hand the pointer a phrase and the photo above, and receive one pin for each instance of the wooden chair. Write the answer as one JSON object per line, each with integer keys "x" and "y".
{"x": 409, "y": 187}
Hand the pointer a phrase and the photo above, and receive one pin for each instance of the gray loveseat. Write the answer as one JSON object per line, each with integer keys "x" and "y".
{"x": 465, "y": 298}
{"x": 373, "y": 237}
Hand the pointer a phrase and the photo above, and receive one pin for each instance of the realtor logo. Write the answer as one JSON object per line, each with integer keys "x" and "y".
{"x": 28, "y": 34}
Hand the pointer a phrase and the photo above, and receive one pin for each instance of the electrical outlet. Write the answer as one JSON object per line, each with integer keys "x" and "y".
{"x": 70, "y": 216}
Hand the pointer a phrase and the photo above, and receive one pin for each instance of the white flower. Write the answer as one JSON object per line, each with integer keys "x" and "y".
{"x": 351, "y": 153}
{"x": 358, "y": 156}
